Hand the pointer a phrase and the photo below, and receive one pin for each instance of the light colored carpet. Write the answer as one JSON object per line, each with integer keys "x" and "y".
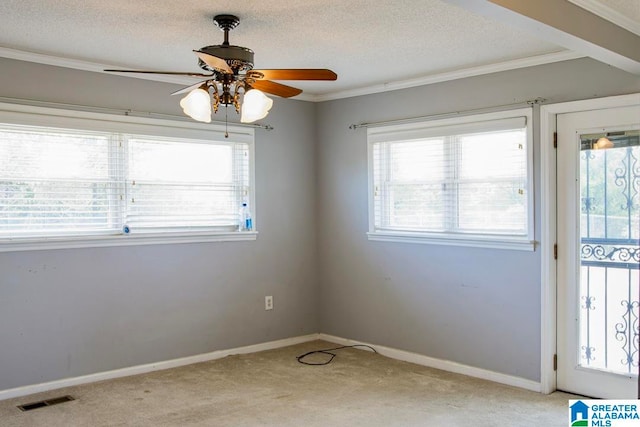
{"x": 358, "y": 388}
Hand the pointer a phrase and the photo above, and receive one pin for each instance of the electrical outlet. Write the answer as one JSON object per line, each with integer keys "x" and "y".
{"x": 268, "y": 302}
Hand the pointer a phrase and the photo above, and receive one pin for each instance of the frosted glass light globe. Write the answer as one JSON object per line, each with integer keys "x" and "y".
{"x": 197, "y": 105}
{"x": 255, "y": 106}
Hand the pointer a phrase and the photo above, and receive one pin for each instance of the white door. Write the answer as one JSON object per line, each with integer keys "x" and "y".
{"x": 598, "y": 176}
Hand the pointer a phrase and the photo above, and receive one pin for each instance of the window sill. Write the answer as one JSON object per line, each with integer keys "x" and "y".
{"x": 449, "y": 240}
{"x": 66, "y": 242}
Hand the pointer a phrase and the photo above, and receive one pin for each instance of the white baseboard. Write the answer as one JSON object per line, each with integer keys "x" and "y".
{"x": 393, "y": 353}
{"x": 445, "y": 365}
{"x": 157, "y": 366}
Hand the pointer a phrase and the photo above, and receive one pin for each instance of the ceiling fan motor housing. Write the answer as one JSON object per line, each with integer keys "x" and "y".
{"x": 239, "y": 58}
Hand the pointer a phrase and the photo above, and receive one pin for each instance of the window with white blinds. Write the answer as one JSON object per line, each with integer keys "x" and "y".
{"x": 464, "y": 181}
{"x": 182, "y": 185}
{"x": 58, "y": 183}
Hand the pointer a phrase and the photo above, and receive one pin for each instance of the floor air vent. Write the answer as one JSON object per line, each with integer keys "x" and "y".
{"x": 43, "y": 403}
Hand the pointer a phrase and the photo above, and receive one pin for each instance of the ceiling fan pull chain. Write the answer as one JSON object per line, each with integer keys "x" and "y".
{"x": 226, "y": 123}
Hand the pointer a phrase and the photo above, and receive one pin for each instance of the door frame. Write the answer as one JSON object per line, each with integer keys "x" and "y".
{"x": 548, "y": 232}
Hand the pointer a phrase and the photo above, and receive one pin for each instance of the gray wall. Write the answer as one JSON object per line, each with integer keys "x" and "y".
{"x": 479, "y": 307}
{"x": 65, "y": 313}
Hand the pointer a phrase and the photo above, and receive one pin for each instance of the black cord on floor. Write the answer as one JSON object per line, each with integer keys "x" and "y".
{"x": 328, "y": 351}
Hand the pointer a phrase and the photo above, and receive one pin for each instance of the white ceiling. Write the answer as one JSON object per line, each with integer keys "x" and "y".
{"x": 370, "y": 44}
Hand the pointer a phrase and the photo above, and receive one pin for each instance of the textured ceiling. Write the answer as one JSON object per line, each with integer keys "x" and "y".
{"x": 366, "y": 42}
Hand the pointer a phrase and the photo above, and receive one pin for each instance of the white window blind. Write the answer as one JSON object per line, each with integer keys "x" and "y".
{"x": 467, "y": 180}
{"x": 184, "y": 184}
{"x": 57, "y": 182}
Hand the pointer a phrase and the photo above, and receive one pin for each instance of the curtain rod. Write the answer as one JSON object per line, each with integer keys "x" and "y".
{"x": 124, "y": 112}
{"x": 446, "y": 115}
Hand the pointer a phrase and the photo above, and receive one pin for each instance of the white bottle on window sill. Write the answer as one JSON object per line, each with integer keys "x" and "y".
{"x": 246, "y": 223}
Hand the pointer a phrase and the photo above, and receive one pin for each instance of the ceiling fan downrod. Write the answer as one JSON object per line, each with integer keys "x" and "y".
{"x": 226, "y": 23}
{"x": 239, "y": 59}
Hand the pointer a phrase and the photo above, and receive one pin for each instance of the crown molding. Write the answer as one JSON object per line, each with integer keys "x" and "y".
{"x": 454, "y": 75}
{"x": 611, "y": 15}
{"x": 385, "y": 87}
{"x": 95, "y": 67}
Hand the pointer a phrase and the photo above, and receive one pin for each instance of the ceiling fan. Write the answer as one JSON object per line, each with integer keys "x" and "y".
{"x": 230, "y": 73}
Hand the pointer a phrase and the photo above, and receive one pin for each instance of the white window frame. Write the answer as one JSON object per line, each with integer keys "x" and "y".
{"x": 28, "y": 115}
{"x": 430, "y": 128}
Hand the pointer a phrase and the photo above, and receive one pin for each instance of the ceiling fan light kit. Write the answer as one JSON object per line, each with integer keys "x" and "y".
{"x": 255, "y": 106}
{"x": 233, "y": 81}
{"x": 197, "y": 105}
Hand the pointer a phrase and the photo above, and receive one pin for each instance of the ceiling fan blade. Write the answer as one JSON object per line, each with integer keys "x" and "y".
{"x": 172, "y": 73}
{"x": 276, "y": 88}
{"x": 296, "y": 74}
{"x": 189, "y": 88}
{"x": 214, "y": 62}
